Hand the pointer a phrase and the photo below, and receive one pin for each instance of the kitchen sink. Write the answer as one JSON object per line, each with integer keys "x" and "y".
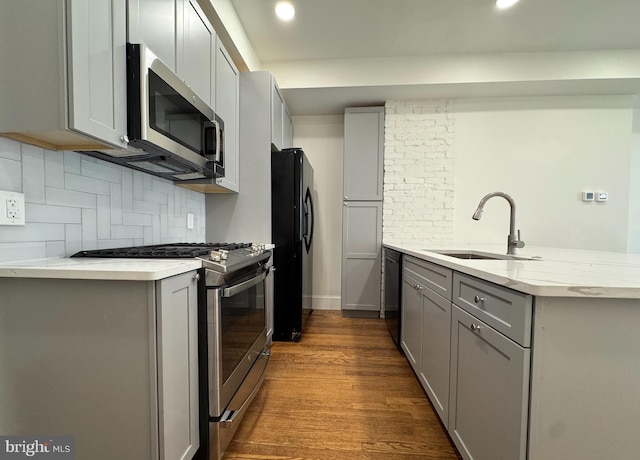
{"x": 477, "y": 255}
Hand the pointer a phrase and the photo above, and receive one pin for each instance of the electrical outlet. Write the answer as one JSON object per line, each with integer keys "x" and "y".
{"x": 189, "y": 221}
{"x": 11, "y": 208}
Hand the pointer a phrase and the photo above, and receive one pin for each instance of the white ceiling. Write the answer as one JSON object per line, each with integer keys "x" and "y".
{"x": 353, "y": 30}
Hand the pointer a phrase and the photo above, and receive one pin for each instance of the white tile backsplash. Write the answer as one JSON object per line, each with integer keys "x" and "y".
{"x": 75, "y": 202}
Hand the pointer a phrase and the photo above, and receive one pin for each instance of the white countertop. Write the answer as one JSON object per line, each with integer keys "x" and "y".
{"x": 555, "y": 272}
{"x": 99, "y": 268}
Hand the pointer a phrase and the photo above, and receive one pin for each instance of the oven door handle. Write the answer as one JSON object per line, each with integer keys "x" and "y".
{"x": 233, "y": 290}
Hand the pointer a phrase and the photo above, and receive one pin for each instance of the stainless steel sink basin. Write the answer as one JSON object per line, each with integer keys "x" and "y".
{"x": 477, "y": 255}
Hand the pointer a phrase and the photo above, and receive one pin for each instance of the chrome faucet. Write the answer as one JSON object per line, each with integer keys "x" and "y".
{"x": 513, "y": 240}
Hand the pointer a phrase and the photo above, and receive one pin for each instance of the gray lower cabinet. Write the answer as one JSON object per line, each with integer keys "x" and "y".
{"x": 411, "y": 321}
{"x": 361, "y": 257}
{"x": 177, "y": 342}
{"x": 489, "y": 391}
{"x": 111, "y": 363}
{"x": 426, "y": 323}
{"x": 434, "y": 369}
{"x": 468, "y": 342}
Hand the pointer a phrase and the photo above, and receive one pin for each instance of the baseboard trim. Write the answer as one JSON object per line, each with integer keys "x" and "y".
{"x": 325, "y": 302}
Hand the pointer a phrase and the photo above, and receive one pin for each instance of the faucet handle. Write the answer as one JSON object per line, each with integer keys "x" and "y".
{"x": 518, "y": 243}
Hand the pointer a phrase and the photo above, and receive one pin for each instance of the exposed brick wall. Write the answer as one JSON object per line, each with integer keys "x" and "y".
{"x": 418, "y": 172}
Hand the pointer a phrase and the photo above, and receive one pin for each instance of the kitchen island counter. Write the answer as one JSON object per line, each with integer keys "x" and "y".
{"x": 549, "y": 272}
{"x": 564, "y": 348}
{"x": 98, "y": 268}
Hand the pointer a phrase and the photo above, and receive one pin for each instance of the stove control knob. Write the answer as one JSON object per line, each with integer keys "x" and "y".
{"x": 224, "y": 254}
{"x": 215, "y": 256}
{"x": 257, "y": 248}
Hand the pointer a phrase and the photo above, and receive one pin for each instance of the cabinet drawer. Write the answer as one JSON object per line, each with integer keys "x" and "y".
{"x": 506, "y": 310}
{"x": 435, "y": 277}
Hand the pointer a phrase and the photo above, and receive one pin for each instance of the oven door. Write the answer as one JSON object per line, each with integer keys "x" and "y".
{"x": 237, "y": 335}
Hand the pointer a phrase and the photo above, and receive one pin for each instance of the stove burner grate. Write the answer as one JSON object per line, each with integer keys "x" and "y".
{"x": 163, "y": 251}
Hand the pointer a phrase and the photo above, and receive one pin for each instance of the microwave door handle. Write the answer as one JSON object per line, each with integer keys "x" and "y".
{"x": 216, "y": 126}
{"x": 214, "y": 154}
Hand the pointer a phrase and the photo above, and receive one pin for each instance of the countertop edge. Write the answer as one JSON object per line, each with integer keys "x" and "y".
{"x": 536, "y": 287}
{"x": 99, "y": 269}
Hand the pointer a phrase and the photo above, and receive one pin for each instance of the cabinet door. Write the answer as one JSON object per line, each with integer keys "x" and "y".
{"x": 96, "y": 67}
{"x": 177, "y": 332}
{"x": 411, "y": 321}
{"x": 227, "y": 88}
{"x": 287, "y": 130}
{"x": 157, "y": 24}
{"x": 363, "y": 152}
{"x": 361, "y": 256}
{"x": 489, "y": 391}
{"x": 277, "y": 114}
{"x": 436, "y": 343}
{"x": 196, "y": 51}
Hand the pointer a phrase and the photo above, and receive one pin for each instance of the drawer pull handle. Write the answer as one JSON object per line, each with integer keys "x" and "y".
{"x": 478, "y": 299}
{"x": 196, "y": 277}
{"x": 475, "y": 327}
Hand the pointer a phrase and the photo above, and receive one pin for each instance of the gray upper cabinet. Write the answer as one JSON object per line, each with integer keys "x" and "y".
{"x": 287, "y": 130}
{"x": 66, "y": 71}
{"x": 227, "y": 107}
{"x": 196, "y": 52}
{"x": 179, "y": 33}
{"x": 157, "y": 24}
{"x": 281, "y": 127}
{"x": 277, "y": 115}
{"x": 363, "y": 147}
{"x": 226, "y": 87}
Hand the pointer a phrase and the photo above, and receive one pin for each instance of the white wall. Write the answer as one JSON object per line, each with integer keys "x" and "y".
{"x": 633, "y": 240}
{"x": 322, "y": 139}
{"x": 442, "y": 156}
{"x": 75, "y": 202}
{"x": 544, "y": 152}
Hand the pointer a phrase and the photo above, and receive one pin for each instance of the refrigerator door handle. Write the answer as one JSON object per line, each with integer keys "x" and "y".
{"x": 309, "y": 229}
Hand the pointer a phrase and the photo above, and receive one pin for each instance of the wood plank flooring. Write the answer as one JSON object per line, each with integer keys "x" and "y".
{"x": 343, "y": 392}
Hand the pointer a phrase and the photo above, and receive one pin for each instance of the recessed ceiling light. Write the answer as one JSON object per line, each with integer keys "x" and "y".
{"x": 502, "y": 4}
{"x": 285, "y": 11}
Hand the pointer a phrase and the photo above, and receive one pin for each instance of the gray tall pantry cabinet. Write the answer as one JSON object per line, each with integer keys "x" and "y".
{"x": 362, "y": 211}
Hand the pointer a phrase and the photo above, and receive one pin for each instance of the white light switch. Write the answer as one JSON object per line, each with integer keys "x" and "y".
{"x": 11, "y": 208}
{"x": 602, "y": 196}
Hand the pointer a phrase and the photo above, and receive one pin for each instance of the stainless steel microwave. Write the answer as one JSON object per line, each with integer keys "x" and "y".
{"x": 172, "y": 133}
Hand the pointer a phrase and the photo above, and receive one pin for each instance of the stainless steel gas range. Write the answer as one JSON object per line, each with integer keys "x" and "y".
{"x": 232, "y": 329}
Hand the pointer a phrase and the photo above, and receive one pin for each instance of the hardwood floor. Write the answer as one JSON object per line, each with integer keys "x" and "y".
{"x": 343, "y": 392}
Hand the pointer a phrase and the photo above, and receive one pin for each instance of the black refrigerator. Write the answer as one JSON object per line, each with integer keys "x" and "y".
{"x": 292, "y": 222}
